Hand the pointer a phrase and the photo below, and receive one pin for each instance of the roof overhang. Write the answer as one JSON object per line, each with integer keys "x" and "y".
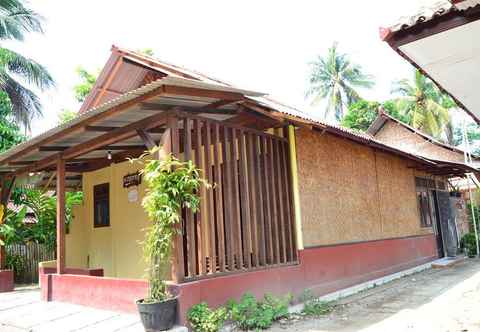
{"x": 442, "y": 44}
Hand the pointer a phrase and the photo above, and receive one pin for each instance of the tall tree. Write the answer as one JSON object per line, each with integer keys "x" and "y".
{"x": 87, "y": 81}
{"x": 16, "y": 20}
{"x": 10, "y": 133}
{"x": 423, "y": 103}
{"x": 335, "y": 78}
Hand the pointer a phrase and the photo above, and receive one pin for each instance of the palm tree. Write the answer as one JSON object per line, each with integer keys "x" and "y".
{"x": 336, "y": 79}
{"x": 16, "y": 20}
{"x": 424, "y": 105}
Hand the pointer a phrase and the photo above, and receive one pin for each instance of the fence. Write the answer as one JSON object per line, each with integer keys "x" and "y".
{"x": 30, "y": 255}
{"x": 246, "y": 221}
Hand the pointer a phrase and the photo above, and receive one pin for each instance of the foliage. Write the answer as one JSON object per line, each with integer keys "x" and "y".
{"x": 16, "y": 20}
{"x": 335, "y": 78}
{"x": 146, "y": 51}
{"x": 87, "y": 81}
{"x": 172, "y": 185}
{"x": 16, "y": 263}
{"x": 250, "y": 314}
{"x": 312, "y": 306}
{"x": 361, "y": 114}
{"x": 473, "y": 136}
{"x": 44, "y": 209}
{"x": 204, "y": 319}
{"x": 467, "y": 243}
{"x": 66, "y": 115}
{"x": 10, "y": 134}
{"x": 424, "y": 104}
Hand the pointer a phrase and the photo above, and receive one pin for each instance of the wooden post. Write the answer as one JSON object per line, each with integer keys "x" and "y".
{"x": 60, "y": 216}
{"x": 5, "y": 193}
{"x": 171, "y": 144}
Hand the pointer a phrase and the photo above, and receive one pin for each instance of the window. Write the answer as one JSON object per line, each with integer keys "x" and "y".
{"x": 425, "y": 201}
{"x": 101, "y": 205}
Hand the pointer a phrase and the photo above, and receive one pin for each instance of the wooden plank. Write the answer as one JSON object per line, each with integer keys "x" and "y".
{"x": 218, "y": 188}
{"x": 202, "y": 214}
{"x": 244, "y": 198}
{"x": 147, "y": 139}
{"x": 280, "y": 192}
{"x": 203, "y": 93}
{"x": 60, "y": 216}
{"x": 284, "y": 175}
{"x": 258, "y": 198}
{"x": 178, "y": 257}
{"x": 273, "y": 201}
{"x": 189, "y": 217}
{"x": 228, "y": 194}
{"x": 207, "y": 141}
{"x": 237, "y": 233}
{"x": 106, "y": 85}
{"x": 290, "y": 194}
{"x": 252, "y": 195}
{"x": 266, "y": 203}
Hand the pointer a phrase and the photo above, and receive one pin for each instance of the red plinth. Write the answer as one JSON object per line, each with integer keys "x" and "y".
{"x": 6, "y": 281}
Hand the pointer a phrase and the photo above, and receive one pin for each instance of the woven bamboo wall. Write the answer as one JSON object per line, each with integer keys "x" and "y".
{"x": 350, "y": 193}
{"x": 394, "y": 134}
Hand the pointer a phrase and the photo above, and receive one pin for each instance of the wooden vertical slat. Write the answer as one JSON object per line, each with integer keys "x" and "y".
{"x": 219, "y": 216}
{"x": 207, "y": 141}
{"x": 245, "y": 192}
{"x": 252, "y": 195}
{"x": 189, "y": 218}
{"x": 279, "y": 189}
{"x": 273, "y": 201}
{"x": 202, "y": 213}
{"x": 267, "y": 206}
{"x": 259, "y": 194}
{"x": 60, "y": 216}
{"x": 287, "y": 201}
{"x": 228, "y": 194}
{"x": 178, "y": 258}
{"x": 236, "y": 202}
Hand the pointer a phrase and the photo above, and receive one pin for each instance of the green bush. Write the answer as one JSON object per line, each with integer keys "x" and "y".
{"x": 16, "y": 263}
{"x": 204, "y": 319}
{"x": 313, "y": 306}
{"x": 468, "y": 244}
{"x": 250, "y": 314}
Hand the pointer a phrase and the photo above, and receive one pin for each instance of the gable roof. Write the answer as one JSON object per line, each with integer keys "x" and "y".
{"x": 382, "y": 118}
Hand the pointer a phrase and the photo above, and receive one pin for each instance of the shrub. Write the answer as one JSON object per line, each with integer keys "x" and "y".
{"x": 313, "y": 306}
{"x": 250, "y": 314}
{"x": 16, "y": 263}
{"x": 204, "y": 319}
{"x": 468, "y": 244}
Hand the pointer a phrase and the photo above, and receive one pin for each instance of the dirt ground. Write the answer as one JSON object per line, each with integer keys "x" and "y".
{"x": 437, "y": 300}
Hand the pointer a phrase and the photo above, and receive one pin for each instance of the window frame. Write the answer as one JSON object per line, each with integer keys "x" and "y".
{"x": 101, "y": 194}
{"x": 424, "y": 197}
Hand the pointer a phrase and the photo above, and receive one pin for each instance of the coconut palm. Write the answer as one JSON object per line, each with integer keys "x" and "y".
{"x": 335, "y": 78}
{"x": 424, "y": 105}
{"x": 17, "y": 71}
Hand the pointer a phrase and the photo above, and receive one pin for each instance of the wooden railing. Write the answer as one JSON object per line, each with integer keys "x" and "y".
{"x": 246, "y": 219}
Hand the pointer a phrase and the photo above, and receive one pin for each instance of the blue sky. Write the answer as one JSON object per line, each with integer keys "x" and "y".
{"x": 260, "y": 45}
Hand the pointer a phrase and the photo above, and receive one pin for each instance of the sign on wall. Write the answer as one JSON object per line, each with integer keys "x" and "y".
{"x": 132, "y": 179}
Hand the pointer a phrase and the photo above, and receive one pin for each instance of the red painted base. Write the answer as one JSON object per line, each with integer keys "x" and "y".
{"x": 6, "y": 281}
{"x": 323, "y": 270}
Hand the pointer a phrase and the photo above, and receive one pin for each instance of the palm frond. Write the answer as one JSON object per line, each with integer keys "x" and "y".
{"x": 25, "y": 104}
{"x": 16, "y": 20}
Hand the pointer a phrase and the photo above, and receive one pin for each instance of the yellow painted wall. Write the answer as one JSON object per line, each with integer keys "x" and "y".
{"x": 116, "y": 249}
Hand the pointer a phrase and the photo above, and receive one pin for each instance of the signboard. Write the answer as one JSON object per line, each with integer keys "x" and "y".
{"x": 132, "y": 179}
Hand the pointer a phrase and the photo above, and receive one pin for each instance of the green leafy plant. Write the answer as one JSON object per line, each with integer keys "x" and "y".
{"x": 250, "y": 314}
{"x": 16, "y": 263}
{"x": 204, "y": 319}
{"x": 468, "y": 243}
{"x": 171, "y": 185}
{"x": 312, "y": 306}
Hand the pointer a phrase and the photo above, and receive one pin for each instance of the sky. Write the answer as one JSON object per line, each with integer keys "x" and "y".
{"x": 263, "y": 45}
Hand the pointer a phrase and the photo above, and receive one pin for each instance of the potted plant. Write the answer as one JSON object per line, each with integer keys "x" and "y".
{"x": 171, "y": 186}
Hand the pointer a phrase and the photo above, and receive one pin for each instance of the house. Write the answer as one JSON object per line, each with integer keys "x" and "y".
{"x": 297, "y": 203}
{"x": 395, "y": 133}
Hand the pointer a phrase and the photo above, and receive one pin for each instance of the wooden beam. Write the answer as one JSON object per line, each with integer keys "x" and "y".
{"x": 60, "y": 215}
{"x": 82, "y": 124}
{"x": 103, "y": 148}
{"x": 221, "y": 103}
{"x": 147, "y": 139}
{"x": 114, "y": 136}
{"x": 196, "y": 110}
{"x": 106, "y": 85}
{"x": 107, "y": 129}
{"x": 202, "y": 93}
